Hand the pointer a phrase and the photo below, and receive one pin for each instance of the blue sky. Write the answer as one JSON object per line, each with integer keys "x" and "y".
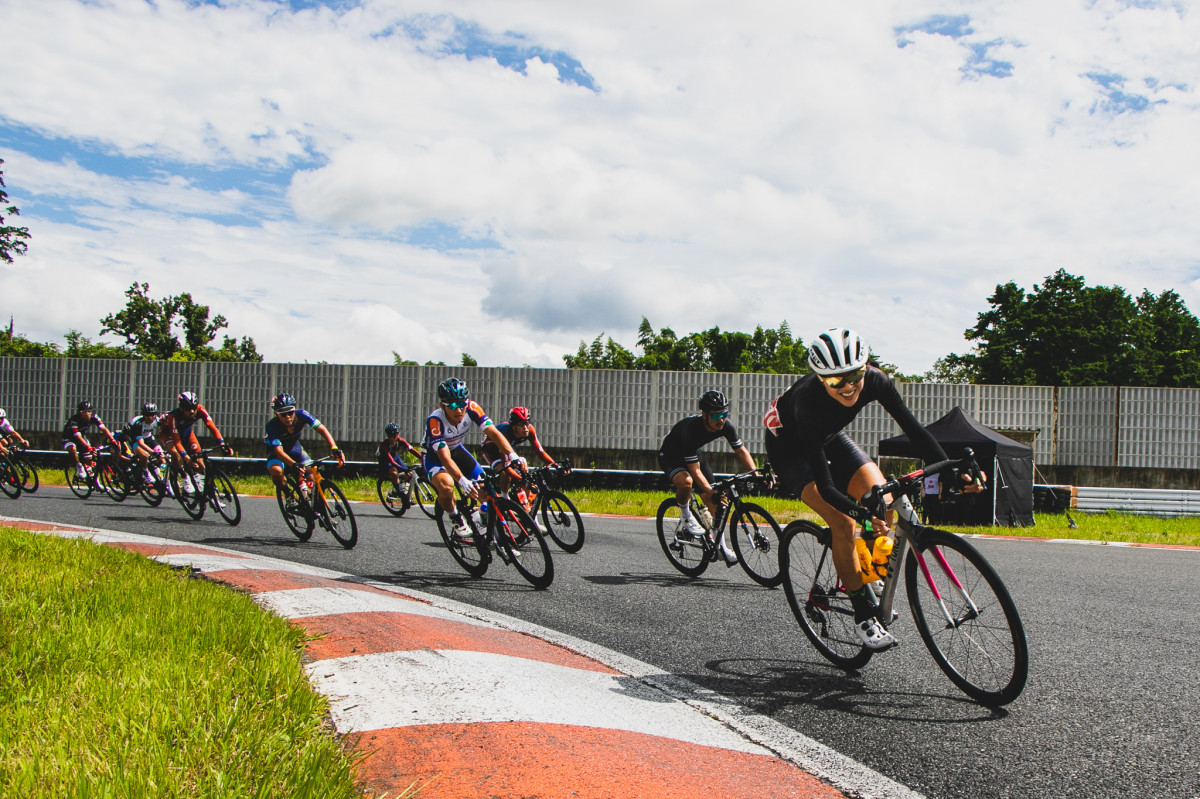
{"x": 433, "y": 178}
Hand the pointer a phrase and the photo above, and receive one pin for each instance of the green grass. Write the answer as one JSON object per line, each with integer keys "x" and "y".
{"x": 121, "y": 677}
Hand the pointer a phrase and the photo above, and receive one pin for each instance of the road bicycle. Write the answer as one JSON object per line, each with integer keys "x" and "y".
{"x": 10, "y": 477}
{"x": 308, "y": 498}
{"x": 197, "y": 490}
{"x": 753, "y": 532}
{"x": 132, "y": 477}
{"x": 962, "y": 609}
{"x": 414, "y": 485}
{"x": 29, "y": 473}
{"x": 99, "y": 471}
{"x": 502, "y": 526}
{"x": 560, "y": 518}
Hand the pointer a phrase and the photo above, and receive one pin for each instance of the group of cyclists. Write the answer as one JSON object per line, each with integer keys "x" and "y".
{"x": 807, "y": 448}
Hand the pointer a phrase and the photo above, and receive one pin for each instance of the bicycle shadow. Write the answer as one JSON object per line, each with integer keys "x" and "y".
{"x": 667, "y": 580}
{"x": 251, "y": 542}
{"x": 419, "y": 580}
{"x": 774, "y": 686}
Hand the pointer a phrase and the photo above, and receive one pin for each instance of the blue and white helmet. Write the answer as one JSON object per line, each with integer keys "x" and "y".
{"x": 837, "y": 350}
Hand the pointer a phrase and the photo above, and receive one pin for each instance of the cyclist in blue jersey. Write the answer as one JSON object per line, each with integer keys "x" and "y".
{"x": 446, "y": 460}
{"x": 283, "y": 438}
{"x": 814, "y": 458}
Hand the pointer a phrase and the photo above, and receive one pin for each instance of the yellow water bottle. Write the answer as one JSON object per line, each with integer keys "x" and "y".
{"x": 864, "y": 561}
{"x": 880, "y": 554}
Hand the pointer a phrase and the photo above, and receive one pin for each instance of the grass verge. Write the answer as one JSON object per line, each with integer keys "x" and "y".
{"x": 122, "y": 677}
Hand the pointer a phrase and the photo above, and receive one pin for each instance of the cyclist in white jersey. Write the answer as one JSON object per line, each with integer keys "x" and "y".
{"x": 447, "y": 461}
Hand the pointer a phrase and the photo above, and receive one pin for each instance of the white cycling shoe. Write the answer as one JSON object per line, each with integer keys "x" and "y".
{"x": 694, "y": 526}
{"x": 873, "y": 635}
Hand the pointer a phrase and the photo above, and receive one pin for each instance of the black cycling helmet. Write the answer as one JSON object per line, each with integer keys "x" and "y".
{"x": 452, "y": 389}
{"x": 713, "y": 401}
{"x": 188, "y": 400}
{"x": 392, "y": 429}
{"x": 84, "y": 405}
{"x": 519, "y": 415}
{"x": 149, "y": 409}
{"x": 283, "y": 402}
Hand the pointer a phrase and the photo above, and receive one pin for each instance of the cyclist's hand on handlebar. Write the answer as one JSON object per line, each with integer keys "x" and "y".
{"x": 341, "y": 456}
{"x": 468, "y": 487}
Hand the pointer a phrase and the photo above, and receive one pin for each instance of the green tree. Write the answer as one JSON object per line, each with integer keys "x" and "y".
{"x": 1166, "y": 339}
{"x": 1062, "y": 333}
{"x": 149, "y": 328}
{"x": 600, "y": 355}
{"x": 12, "y": 238}
{"x": 80, "y": 346}
{"x": 467, "y": 360}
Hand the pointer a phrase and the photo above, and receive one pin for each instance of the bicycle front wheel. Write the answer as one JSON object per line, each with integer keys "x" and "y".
{"x": 473, "y": 556}
{"x": 187, "y": 490}
{"x": 816, "y": 597}
{"x": 391, "y": 503}
{"x": 523, "y": 543}
{"x": 80, "y": 486}
{"x": 755, "y": 535}
{"x": 563, "y": 523}
{"x": 29, "y": 474}
{"x": 109, "y": 476}
{"x": 292, "y": 509}
{"x": 153, "y": 490}
{"x": 223, "y": 497}
{"x": 966, "y": 618}
{"x": 426, "y": 496}
{"x": 10, "y": 478}
{"x": 686, "y": 552}
{"x": 339, "y": 517}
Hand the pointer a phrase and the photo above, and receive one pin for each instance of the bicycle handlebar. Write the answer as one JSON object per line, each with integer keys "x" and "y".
{"x": 873, "y": 499}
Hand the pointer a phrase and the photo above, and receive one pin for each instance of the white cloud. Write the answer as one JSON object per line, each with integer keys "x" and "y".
{"x": 733, "y": 167}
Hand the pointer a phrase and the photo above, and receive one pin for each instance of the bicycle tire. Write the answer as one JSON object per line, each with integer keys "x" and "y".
{"x": 338, "y": 515}
{"x": 693, "y": 557}
{"x": 426, "y": 496}
{"x": 192, "y": 502}
{"x": 290, "y": 507}
{"x": 153, "y": 491}
{"x": 985, "y": 653}
{"x": 10, "y": 478}
{"x": 815, "y": 594}
{"x": 523, "y": 543}
{"x": 29, "y": 474}
{"x": 393, "y": 505}
{"x": 562, "y": 521}
{"x": 474, "y": 557}
{"x": 80, "y": 486}
{"x": 223, "y": 497}
{"x": 755, "y": 535}
{"x": 110, "y": 478}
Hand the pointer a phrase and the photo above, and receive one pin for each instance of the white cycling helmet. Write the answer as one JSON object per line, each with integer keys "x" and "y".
{"x": 2, "y": 414}
{"x": 837, "y": 350}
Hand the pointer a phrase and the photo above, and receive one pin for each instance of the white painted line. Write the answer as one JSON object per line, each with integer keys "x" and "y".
{"x": 299, "y": 603}
{"x": 395, "y": 689}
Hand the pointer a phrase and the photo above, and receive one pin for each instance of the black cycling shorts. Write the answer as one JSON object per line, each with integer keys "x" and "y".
{"x": 845, "y": 457}
{"x": 670, "y": 466}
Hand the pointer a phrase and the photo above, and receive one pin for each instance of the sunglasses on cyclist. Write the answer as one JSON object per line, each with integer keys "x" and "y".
{"x": 843, "y": 380}
{"x": 456, "y": 405}
{"x": 285, "y": 414}
{"x": 719, "y": 415}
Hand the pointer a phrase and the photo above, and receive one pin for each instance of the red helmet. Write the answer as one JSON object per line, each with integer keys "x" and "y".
{"x": 518, "y": 415}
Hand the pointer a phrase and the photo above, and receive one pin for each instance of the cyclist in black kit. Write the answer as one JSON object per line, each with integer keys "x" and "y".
{"x": 814, "y": 458}
{"x": 680, "y": 460}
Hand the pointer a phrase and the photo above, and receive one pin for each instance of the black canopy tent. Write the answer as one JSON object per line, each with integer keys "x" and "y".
{"x": 1008, "y": 464}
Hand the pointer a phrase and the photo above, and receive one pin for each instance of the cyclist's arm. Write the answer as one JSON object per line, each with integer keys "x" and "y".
{"x": 495, "y": 435}
{"x": 328, "y": 436}
{"x": 537, "y": 446}
{"x": 745, "y": 458}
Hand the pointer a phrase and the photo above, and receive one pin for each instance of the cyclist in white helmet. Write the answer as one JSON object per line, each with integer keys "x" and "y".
{"x": 9, "y": 434}
{"x": 813, "y": 457}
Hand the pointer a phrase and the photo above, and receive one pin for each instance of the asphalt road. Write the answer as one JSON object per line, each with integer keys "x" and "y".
{"x": 1111, "y": 709}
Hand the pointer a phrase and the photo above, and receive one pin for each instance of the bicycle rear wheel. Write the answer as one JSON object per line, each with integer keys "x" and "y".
{"x": 392, "y": 504}
{"x": 80, "y": 486}
{"x": 755, "y": 535}
{"x": 474, "y": 556}
{"x": 223, "y": 496}
{"x": 966, "y": 618}
{"x": 291, "y": 507}
{"x": 562, "y": 521}
{"x": 191, "y": 499}
{"x": 426, "y": 496}
{"x": 339, "y": 517}
{"x": 686, "y": 552}
{"x": 153, "y": 490}
{"x": 523, "y": 543}
{"x": 29, "y": 474}
{"x": 816, "y": 596}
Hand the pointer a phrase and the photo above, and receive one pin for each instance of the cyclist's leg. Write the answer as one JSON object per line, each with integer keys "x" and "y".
{"x": 702, "y": 480}
{"x": 193, "y": 449}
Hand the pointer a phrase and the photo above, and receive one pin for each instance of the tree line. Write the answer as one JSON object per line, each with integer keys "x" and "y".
{"x": 1061, "y": 333}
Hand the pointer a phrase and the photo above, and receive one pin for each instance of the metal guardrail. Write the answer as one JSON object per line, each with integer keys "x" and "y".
{"x": 1153, "y": 501}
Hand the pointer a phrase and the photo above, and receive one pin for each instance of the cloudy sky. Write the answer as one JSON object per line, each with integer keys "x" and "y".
{"x": 350, "y": 178}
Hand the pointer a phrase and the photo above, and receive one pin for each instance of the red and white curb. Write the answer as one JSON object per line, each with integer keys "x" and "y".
{"x": 460, "y": 702}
